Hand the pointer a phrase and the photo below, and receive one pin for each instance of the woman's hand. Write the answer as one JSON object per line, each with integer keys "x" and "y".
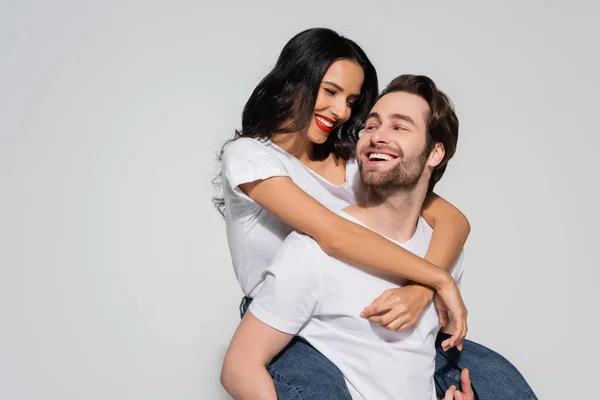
{"x": 399, "y": 308}
{"x": 450, "y": 302}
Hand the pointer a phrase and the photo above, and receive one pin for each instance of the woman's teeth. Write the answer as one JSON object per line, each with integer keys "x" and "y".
{"x": 324, "y": 122}
{"x": 380, "y": 156}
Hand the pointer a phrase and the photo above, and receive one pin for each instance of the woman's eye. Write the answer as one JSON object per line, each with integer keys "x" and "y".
{"x": 330, "y": 92}
{"x": 350, "y": 104}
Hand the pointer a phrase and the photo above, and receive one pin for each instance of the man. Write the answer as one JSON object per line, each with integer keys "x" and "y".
{"x": 320, "y": 298}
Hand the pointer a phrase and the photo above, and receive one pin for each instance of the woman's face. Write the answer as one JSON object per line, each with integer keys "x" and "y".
{"x": 339, "y": 89}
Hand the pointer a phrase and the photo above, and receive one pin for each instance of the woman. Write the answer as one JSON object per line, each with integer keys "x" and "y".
{"x": 293, "y": 162}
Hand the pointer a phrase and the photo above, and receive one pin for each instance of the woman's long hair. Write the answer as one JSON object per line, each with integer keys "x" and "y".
{"x": 284, "y": 100}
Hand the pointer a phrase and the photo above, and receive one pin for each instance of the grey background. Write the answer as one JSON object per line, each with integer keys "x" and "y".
{"x": 115, "y": 277}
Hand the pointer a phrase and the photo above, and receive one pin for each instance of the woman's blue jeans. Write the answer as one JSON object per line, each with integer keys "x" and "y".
{"x": 300, "y": 372}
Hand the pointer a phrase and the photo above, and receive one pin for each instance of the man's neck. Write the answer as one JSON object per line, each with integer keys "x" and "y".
{"x": 391, "y": 214}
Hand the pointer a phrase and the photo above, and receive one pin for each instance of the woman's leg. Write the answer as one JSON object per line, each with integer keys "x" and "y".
{"x": 493, "y": 377}
{"x": 301, "y": 372}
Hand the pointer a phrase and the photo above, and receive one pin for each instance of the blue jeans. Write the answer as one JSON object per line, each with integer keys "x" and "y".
{"x": 300, "y": 372}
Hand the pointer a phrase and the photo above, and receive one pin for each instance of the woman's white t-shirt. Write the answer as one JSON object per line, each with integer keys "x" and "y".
{"x": 254, "y": 235}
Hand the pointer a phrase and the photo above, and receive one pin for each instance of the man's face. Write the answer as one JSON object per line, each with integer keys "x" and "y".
{"x": 392, "y": 151}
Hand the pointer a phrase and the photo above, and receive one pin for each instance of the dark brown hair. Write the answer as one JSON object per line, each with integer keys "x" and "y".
{"x": 289, "y": 92}
{"x": 442, "y": 122}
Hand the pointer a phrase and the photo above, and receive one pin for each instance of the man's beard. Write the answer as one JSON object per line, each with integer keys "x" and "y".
{"x": 404, "y": 176}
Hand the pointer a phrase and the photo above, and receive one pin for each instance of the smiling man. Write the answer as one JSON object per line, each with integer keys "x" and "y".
{"x": 320, "y": 299}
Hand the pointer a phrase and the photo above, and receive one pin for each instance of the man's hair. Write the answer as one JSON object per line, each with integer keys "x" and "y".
{"x": 442, "y": 122}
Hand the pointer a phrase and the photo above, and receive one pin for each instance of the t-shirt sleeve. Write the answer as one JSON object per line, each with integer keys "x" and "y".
{"x": 247, "y": 160}
{"x": 291, "y": 287}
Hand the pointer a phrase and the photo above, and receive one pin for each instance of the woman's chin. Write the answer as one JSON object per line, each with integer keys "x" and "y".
{"x": 319, "y": 137}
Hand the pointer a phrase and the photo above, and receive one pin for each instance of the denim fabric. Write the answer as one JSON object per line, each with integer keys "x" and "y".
{"x": 493, "y": 377}
{"x": 300, "y": 372}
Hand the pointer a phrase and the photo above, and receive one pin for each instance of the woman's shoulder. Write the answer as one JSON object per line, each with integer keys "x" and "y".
{"x": 248, "y": 148}
{"x": 244, "y": 144}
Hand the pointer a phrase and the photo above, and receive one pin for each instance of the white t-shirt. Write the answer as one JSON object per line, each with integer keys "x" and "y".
{"x": 254, "y": 234}
{"x": 319, "y": 298}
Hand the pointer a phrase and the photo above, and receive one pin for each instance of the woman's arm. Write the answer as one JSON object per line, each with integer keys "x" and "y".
{"x": 339, "y": 237}
{"x": 401, "y": 308}
{"x": 450, "y": 231}
{"x": 347, "y": 241}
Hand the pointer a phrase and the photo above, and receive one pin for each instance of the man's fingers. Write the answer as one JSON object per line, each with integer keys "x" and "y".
{"x": 450, "y": 393}
{"x": 458, "y": 396}
{"x": 465, "y": 383}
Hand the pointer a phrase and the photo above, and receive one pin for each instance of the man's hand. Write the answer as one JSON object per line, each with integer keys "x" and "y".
{"x": 399, "y": 308}
{"x": 466, "y": 392}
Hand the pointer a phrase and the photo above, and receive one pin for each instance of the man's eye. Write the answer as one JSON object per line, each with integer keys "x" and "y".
{"x": 372, "y": 127}
{"x": 400, "y": 128}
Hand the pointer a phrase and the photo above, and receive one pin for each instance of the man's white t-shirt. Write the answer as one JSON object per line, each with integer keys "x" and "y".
{"x": 307, "y": 293}
{"x": 254, "y": 234}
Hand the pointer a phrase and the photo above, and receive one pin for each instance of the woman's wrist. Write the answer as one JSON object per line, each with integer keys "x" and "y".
{"x": 442, "y": 280}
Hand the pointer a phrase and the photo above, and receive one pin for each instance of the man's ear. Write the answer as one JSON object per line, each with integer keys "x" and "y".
{"x": 437, "y": 155}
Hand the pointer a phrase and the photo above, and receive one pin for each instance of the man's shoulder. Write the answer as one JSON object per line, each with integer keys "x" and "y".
{"x": 300, "y": 248}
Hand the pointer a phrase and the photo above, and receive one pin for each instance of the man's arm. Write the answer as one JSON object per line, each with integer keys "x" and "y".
{"x": 244, "y": 374}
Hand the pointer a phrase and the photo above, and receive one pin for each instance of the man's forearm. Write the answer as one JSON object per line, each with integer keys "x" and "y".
{"x": 249, "y": 383}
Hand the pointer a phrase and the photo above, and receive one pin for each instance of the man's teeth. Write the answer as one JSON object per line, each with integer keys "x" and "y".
{"x": 380, "y": 156}
{"x": 324, "y": 122}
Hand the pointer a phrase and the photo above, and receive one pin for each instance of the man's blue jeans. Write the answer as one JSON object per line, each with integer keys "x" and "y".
{"x": 300, "y": 372}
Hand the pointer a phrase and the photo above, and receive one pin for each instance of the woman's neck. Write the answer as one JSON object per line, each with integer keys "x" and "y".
{"x": 296, "y": 144}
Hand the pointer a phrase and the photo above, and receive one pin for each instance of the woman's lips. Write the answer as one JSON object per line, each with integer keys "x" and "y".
{"x": 323, "y": 123}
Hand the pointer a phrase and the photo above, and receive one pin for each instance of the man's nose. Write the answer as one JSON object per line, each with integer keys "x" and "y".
{"x": 381, "y": 136}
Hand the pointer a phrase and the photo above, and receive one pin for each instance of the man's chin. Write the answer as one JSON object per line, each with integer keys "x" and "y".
{"x": 375, "y": 181}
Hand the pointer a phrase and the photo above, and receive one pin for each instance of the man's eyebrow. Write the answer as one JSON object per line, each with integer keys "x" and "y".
{"x": 403, "y": 117}
{"x": 374, "y": 115}
{"x": 341, "y": 89}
